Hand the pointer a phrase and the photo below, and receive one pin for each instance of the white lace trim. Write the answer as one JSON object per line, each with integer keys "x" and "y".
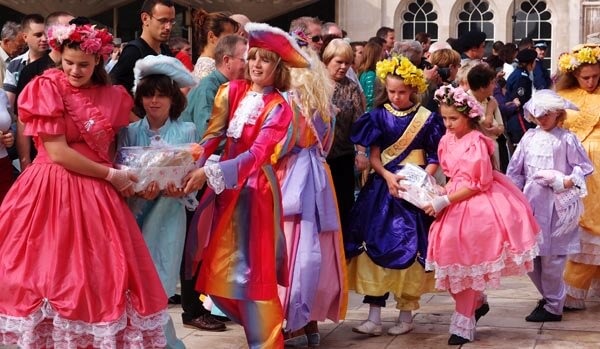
{"x": 44, "y": 328}
{"x": 215, "y": 178}
{"x": 539, "y": 154}
{"x": 589, "y": 254}
{"x": 247, "y": 112}
{"x": 463, "y": 326}
{"x": 587, "y": 237}
{"x": 576, "y": 293}
{"x": 569, "y": 209}
{"x": 583, "y": 258}
{"x": 457, "y": 277}
{"x": 594, "y": 288}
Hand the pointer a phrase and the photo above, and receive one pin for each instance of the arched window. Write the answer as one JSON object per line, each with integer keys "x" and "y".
{"x": 533, "y": 21}
{"x": 419, "y": 17}
{"x": 476, "y": 15}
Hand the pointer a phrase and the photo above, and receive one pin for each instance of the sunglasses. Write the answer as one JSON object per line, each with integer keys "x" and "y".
{"x": 316, "y": 38}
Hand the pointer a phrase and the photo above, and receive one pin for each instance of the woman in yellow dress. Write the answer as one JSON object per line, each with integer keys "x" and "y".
{"x": 578, "y": 81}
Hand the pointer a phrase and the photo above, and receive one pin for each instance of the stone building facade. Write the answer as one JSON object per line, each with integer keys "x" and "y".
{"x": 562, "y": 24}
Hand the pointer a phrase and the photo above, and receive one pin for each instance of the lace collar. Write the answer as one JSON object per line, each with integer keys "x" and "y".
{"x": 248, "y": 111}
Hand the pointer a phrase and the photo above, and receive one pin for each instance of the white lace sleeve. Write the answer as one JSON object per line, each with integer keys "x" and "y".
{"x": 214, "y": 178}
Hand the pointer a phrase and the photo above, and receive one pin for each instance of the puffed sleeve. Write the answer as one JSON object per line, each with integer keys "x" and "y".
{"x": 41, "y": 107}
{"x": 578, "y": 158}
{"x": 123, "y": 108}
{"x": 366, "y": 130}
{"x": 516, "y": 166}
{"x": 434, "y": 133}
{"x": 476, "y": 164}
{"x": 217, "y": 125}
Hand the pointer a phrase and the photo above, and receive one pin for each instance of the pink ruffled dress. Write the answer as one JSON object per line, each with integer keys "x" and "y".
{"x": 474, "y": 242}
{"x": 75, "y": 271}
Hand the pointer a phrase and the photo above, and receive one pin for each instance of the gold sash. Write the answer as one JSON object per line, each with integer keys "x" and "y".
{"x": 416, "y": 156}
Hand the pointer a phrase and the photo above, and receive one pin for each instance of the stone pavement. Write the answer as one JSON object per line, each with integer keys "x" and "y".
{"x": 503, "y": 327}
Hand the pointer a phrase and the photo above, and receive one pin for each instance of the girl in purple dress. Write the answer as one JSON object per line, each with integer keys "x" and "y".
{"x": 386, "y": 234}
{"x": 550, "y": 166}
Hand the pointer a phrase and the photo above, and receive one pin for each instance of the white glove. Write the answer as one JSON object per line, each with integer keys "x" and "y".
{"x": 119, "y": 179}
{"x": 439, "y": 203}
{"x": 547, "y": 177}
{"x": 558, "y": 185}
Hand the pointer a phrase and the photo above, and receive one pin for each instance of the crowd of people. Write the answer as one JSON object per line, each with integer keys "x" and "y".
{"x": 308, "y": 148}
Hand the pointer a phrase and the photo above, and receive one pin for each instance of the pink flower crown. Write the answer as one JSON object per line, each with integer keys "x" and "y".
{"x": 91, "y": 40}
{"x": 459, "y": 99}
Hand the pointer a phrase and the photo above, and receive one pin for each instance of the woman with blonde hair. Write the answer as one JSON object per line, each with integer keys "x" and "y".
{"x": 337, "y": 57}
{"x": 316, "y": 290}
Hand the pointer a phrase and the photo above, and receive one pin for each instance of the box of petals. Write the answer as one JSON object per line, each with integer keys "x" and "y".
{"x": 419, "y": 186}
{"x": 162, "y": 164}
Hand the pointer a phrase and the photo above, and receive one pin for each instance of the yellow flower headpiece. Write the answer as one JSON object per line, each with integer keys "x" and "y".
{"x": 402, "y": 67}
{"x": 581, "y": 54}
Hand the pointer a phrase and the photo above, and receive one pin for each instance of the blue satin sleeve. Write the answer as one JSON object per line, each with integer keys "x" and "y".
{"x": 366, "y": 131}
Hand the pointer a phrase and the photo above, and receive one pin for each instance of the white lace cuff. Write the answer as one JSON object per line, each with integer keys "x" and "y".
{"x": 463, "y": 326}
{"x": 214, "y": 178}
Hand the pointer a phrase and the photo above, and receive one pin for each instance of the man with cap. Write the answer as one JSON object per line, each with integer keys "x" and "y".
{"x": 541, "y": 75}
{"x": 246, "y": 259}
{"x": 472, "y": 45}
{"x": 520, "y": 86}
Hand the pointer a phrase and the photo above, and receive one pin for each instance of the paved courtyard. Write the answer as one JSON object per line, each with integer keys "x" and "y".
{"x": 503, "y": 327}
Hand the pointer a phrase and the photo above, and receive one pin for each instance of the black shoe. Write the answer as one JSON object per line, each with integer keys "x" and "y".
{"x": 481, "y": 311}
{"x": 542, "y": 315}
{"x": 205, "y": 322}
{"x": 175, "y": 299}
{"x": 457, "y": 340}
{"x": 541, "y": 303}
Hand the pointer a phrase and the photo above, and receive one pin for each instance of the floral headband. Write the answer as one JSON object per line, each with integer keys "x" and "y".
{"x": 459, "y": 99}
{"x": 402, "y": 67}
{"x": 568, "y": 62}
{"x": 90, "y": 39}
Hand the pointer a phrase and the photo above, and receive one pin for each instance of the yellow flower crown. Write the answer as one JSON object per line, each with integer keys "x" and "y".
{"x": 402, "y": 67}
{"x": 581, "y": 54}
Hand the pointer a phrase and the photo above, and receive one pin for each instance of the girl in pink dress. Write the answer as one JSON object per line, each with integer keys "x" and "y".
{"x": 484, "y": 227}
{"x": 75, "y": 271}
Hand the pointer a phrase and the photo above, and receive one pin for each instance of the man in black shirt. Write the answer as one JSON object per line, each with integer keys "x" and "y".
{"x": 158, "y": 18}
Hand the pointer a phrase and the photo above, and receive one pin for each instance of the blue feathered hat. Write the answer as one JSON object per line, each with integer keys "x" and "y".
{"x": 163, "y": 65}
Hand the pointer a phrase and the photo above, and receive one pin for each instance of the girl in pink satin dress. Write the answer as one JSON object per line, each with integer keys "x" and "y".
{"x": 75, "y": 271}
{"x": 484, "y": 227}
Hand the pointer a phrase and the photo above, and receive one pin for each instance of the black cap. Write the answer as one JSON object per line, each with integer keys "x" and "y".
{"x": 541, "y": 45}
{"x": 471, "y": 39}
{"x": 526, "y": 56}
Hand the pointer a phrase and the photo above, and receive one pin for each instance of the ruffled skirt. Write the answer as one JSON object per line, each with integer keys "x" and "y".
{"x": 478, "y": 240}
